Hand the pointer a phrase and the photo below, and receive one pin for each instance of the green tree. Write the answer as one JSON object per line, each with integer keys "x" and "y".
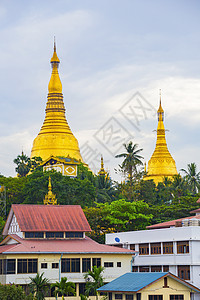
{"x": 23, "y": 163}
{"x": 122, "y": 215}
{"x": 94, "y": 280}
{"x": 68, "y": 190}
{"x": 132, "y": 159}
{"x": 39, "y": 286}
{"x": 13, "y": 292}
{"x": 192, "y": 177}
{"x": 26, "y": 164}
{"x": 64, "y": 288}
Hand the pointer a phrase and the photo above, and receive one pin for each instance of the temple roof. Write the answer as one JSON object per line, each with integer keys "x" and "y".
{"x": 74, "y": 246}
{"x": 48, "y": 218}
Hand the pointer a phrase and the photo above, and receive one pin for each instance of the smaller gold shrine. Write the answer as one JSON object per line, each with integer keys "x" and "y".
{"x": 161, "y": 163}
{"x": 50, "y": 198}
{"x": 65, "y": 165}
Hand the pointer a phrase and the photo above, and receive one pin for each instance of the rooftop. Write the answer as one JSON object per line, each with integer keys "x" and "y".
{"x": 48, "y": 218}
{"x": 135, "y": 282}
{"x": 71, "y": 246}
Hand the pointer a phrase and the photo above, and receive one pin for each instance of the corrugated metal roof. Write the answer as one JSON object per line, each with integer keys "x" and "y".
{"x": 172, "y": 223}
{"x": 85, "y": 245}
{"x": 134, "y": 282}
{"x": 49, "y": 218}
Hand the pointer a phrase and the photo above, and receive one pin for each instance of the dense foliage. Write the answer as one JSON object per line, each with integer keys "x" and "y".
{"x": 11, "y": 291}
{"x": 110, "y": 206}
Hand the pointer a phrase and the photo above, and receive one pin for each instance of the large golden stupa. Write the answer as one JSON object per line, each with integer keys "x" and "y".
{"x": 161, "y": 163}
{"x": 55, "y": 138}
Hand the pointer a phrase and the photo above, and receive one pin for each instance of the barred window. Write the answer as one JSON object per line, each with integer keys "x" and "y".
{"x": 144, "y": 249}
{"x": 183, "y": 247}
{"x": 86, "y": 264}
{"x": 155, "y": 248}
{"x": 96, "y": 262}
{"x": 27, "y": 266}
{"x": 70, "y": 265}
{"x": 168, "y": 248}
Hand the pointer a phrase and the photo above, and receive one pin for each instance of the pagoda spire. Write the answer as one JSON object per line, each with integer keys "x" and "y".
{"x": 50, "y": 198}
{"x": 102, "y": 170}
{"x": 55, "y": 137}
{"x": 161, "y": 163}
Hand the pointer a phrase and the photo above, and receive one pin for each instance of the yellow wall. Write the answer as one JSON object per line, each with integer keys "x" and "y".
{"x": 175, "y": 288}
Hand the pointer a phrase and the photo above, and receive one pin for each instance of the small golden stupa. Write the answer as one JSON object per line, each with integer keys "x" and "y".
{"x": 161, "y": 163}
{"x": 55, "y": 137}
{"x": 102, "y": 170}
{"x": 50, "y": 198}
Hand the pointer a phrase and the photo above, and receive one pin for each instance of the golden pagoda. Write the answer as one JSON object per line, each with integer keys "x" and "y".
{"x": 55, "y": 137}
{"x": 161, "y": 163}
{"x": 50, "y": 198}
{"x": 102, "y": 170}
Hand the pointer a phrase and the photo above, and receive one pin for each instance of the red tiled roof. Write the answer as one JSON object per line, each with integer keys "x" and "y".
{"x": 72, "y": 246}
{"x": 171, "y": 223}
{"x": 48, "y": 218}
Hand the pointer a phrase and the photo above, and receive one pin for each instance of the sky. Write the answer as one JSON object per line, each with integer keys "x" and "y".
{"x": 115, "y": 57}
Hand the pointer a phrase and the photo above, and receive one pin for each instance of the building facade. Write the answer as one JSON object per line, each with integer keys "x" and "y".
{"x": 149, "y": 286}
{"x": 166, "y": 247}
{"x": 51, "y": 239}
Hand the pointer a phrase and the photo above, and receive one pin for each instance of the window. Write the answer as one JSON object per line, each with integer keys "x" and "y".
{"x": 138, "y": 296}
{"x": 155, "y": 297}
{"x": 119, "y": 264}
{"x": 34, "y": 235}
{"x": 96, "y": 262}
{"x": 109, "y": 296}
{"x": 184, "y": 272}
{"x": 108, "y": 264}
{"x": 155, "y": 248}
{"x": 168, "y": 248}
{"x": 132, "y": 247}
{"x": 144, "y": 269}
{"x": 43, "y": 265}
{"x": 165, "y": 268}
{"x": 7, "y": 266}
{"x": 134, "y": 268}
{"x": 118, "y": 296}
{"x": 86, "y": 264}
{"x": 82, "y": 290}
{"x": 156, "y": 268}
{"x": 54, "y": 235}
{"x": 144, "y": 249}
{"x": 165, "y": 283}
{"x": 129, "y": 297}
{"x": 55, "y": 265}
{"x": 176, "y": 297}
{"x": 183, "y": 247}
{"x": 70, "y": 265}
{"x": 69, "y": 235}
{"x": 27, "y": 266}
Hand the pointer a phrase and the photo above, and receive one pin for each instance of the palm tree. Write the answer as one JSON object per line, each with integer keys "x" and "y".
{"x": 132, "y": 159}
{"x": 39, "y": 286}
{"x": 94, "y": 280}
{"x": 64, "y": 288}
{"x": 192, "y": 177}
{"x": 23, "y": 163}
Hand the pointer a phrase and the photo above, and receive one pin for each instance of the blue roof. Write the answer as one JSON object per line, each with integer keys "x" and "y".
{"x": 132, "y": 282}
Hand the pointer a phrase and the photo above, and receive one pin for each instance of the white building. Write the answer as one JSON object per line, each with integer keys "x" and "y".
{"x": 171, "y": 246}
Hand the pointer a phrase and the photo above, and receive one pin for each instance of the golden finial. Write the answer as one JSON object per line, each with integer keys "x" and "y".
{"x": 54, "y": 43}
{"x": 160, "y": 110}
{"x": 50, "y": 198}
{"x": 145, "y": 167}
{"x": 102, "y": 171}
